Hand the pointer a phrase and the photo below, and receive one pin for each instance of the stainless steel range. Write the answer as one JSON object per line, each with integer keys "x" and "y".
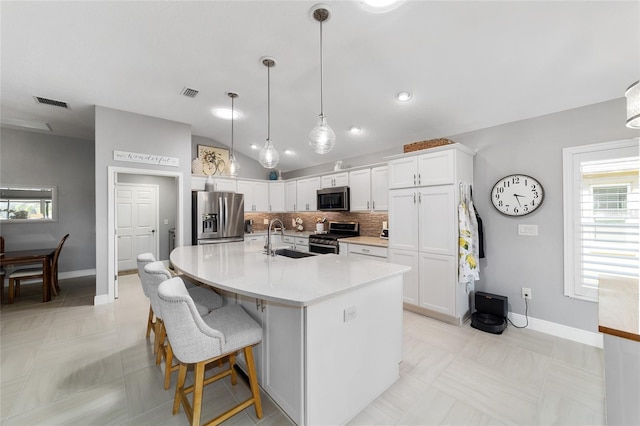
{"x": 328, "y": 243}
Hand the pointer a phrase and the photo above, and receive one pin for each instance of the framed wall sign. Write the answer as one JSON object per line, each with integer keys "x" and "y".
{"x": 214, "y": 160}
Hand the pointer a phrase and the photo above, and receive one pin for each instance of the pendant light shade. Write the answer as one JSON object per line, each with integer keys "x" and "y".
{"x": 322, "y": 138}
{"x": 633, "y": 105}
{"x": 234, "y": 166}
{"x": 268, "y": 157}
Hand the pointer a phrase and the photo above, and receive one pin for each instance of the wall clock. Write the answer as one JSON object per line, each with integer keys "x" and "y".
{"x": 517, "y": 195}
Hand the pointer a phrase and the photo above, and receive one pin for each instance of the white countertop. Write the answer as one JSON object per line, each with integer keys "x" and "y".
{"x": 366, "y": 241}
{"x": 242, "y": 268}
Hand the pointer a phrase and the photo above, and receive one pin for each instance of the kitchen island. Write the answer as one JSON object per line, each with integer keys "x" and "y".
{"x": 332, "y": 326}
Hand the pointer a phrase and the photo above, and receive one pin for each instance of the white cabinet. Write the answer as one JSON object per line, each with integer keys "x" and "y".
{"x": 219, "y": 184}
{"x": 369, "y": 189}
{"x": 410, "y": 293}
{"x": 380, "y": 188}
{"x": 256, "y": 195}
{"x": 360, "y": 189}
{"x": 423, "y": 228}
{"x": 335, "y": 179}
{"x": 276, "y": 197}
{"x": 297, "y": 243}
{"x": 434, "y": 168}
{"x": 307, "y": 194}
{"x": 291, "y": 195}
{"x": 279, "y": 356}
{"x": 372, "y": 252}
{"x": 302, "y": 243}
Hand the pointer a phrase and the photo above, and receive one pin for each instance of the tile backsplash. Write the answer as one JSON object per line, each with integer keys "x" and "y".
{"x": 370, "y": 223}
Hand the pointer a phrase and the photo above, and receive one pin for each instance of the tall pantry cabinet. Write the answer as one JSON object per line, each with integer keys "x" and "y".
{"x": 424, "y": 192}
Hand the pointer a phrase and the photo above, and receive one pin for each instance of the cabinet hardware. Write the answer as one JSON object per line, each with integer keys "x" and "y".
{"x": 257, "y": 304}
{"x": 414, "y": 178}
{"x": 367, "y": 205}
{"x": 262, "y": 305}
{"x": 373, "y": 204}
{"x": 419, "y": 179}
{"x": 414, "y": 198}
{"x": 420, "y": 197}
{"x": 364, "y": 250}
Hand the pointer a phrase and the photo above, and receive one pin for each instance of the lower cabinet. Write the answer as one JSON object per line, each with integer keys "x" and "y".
{"x": 279, "y": 356}
{"x": 431, "y": 284}
{"x": 297, "y": 243}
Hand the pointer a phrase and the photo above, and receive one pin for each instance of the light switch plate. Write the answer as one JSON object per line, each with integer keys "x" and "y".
{"x": 528, "y": 230}
{"x": 350, "y": 313}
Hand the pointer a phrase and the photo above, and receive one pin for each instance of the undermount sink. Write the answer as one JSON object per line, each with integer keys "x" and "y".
{"x": 294, "y": 254}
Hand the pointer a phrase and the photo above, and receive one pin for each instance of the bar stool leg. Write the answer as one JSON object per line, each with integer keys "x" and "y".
{"x": 253, "y": 380}
{"x": 198, "y": 386}
{"x": 150, "y": 323}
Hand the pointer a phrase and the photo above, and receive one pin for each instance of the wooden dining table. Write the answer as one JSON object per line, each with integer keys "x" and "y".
{"x": 26, "y": 257}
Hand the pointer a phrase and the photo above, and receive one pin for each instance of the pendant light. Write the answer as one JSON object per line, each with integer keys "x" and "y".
{"x": 269, "y": 157}
{"x": 321, "y": 138}
{"x": 234, "y": 166}
{"x": 633, "y": 105}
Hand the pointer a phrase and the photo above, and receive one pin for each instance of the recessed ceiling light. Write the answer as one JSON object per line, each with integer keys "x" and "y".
{"x": 288, "y": 152}
{"x": 253, "y": 146}
{"x": 380, "y": 6}
{"x": 403, "y": 96}
{"x": 225, "y": 113}
{"x": 355, "y": 130}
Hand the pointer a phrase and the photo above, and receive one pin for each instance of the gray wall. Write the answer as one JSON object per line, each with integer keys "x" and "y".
{"x": 167, "y": 205}
{"x": 126, "y": 131}
{"x": 534, "y": 147}
{"x": 67, "y": 163}
{"x": 249, "y": 168}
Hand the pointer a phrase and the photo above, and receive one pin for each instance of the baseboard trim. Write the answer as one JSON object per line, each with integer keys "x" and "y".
{"x": 559, "y": 330}
{"x": 75, "y": 274}
{"x": 102, "y": 299}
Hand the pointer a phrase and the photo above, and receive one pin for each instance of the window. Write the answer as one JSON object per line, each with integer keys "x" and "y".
{"x": 601, "y": 215}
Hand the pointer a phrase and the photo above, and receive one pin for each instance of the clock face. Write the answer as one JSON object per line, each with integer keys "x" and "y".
{"x": 517, "y": 195}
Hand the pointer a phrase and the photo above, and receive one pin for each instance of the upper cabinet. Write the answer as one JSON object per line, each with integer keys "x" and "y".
{"x": 380, "y": 188}
{"x": 369, "y": 189}
{"x": 276, "y": 197}
{"x": 291, "y": 195}
{"x": 256, "y": 195}
{"x": 307, "y": 194}
{"x": 335, "y": 179}
{"x": 437, "y": 167}
{"x": 360, "y": 189}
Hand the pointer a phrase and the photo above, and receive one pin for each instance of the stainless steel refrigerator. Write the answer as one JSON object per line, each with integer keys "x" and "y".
{"x": 217, "y": 217}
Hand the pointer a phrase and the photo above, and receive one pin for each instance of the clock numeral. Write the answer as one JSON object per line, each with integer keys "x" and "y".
{"x": 536, "y": 195}
{"x": 515, "y": 210}
{"x": 525, "y": 208}
{"x": 533, "y": 203}
{"x": 499, "y": 190}
{"x": 515, "y": 180}
{"x": 500, "y": 203}
{"x": 506, "y": 184}
{"x": 533, "y": 187}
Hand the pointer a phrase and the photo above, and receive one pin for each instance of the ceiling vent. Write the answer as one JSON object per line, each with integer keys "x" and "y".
{"x": 190, "y": 93}
{"x": 52, "y": 102}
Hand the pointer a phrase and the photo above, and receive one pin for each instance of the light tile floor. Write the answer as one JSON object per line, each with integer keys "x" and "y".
{"x": 69, "y": 362}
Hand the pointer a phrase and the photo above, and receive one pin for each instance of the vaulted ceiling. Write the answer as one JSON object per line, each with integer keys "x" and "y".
{"x": 469, "y": 65}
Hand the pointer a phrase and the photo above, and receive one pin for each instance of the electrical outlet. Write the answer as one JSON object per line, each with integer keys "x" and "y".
{"x": 526, "y": 293}
{"x": 350, "y": 313}
{"x": 265, "y": 221}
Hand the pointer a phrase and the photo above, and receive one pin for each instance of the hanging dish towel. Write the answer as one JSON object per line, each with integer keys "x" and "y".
{"x": 468, "y": 263}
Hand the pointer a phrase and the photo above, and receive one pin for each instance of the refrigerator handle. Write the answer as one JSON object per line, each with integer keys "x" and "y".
{"x": 222, "y": 203}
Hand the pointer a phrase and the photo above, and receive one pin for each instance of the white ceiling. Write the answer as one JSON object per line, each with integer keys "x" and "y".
{"x": 470, "y": 65}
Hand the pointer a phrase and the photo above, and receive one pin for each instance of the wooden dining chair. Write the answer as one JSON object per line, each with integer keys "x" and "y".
{"x": 36, "y": 273}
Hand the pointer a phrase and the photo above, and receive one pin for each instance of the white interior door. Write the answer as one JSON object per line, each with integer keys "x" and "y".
{"x": 136, "y": 223}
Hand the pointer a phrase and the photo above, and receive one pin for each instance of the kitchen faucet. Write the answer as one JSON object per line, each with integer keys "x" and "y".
{"x": 267, "y": 246}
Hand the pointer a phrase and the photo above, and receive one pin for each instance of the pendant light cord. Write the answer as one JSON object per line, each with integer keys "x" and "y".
{"x": 232, "y": 114}
{"x": 268, "y": 103}
{"x": 321, "y": 74}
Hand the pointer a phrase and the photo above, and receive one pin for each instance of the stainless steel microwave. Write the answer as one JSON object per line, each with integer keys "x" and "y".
{"x": 334, "y": 199}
